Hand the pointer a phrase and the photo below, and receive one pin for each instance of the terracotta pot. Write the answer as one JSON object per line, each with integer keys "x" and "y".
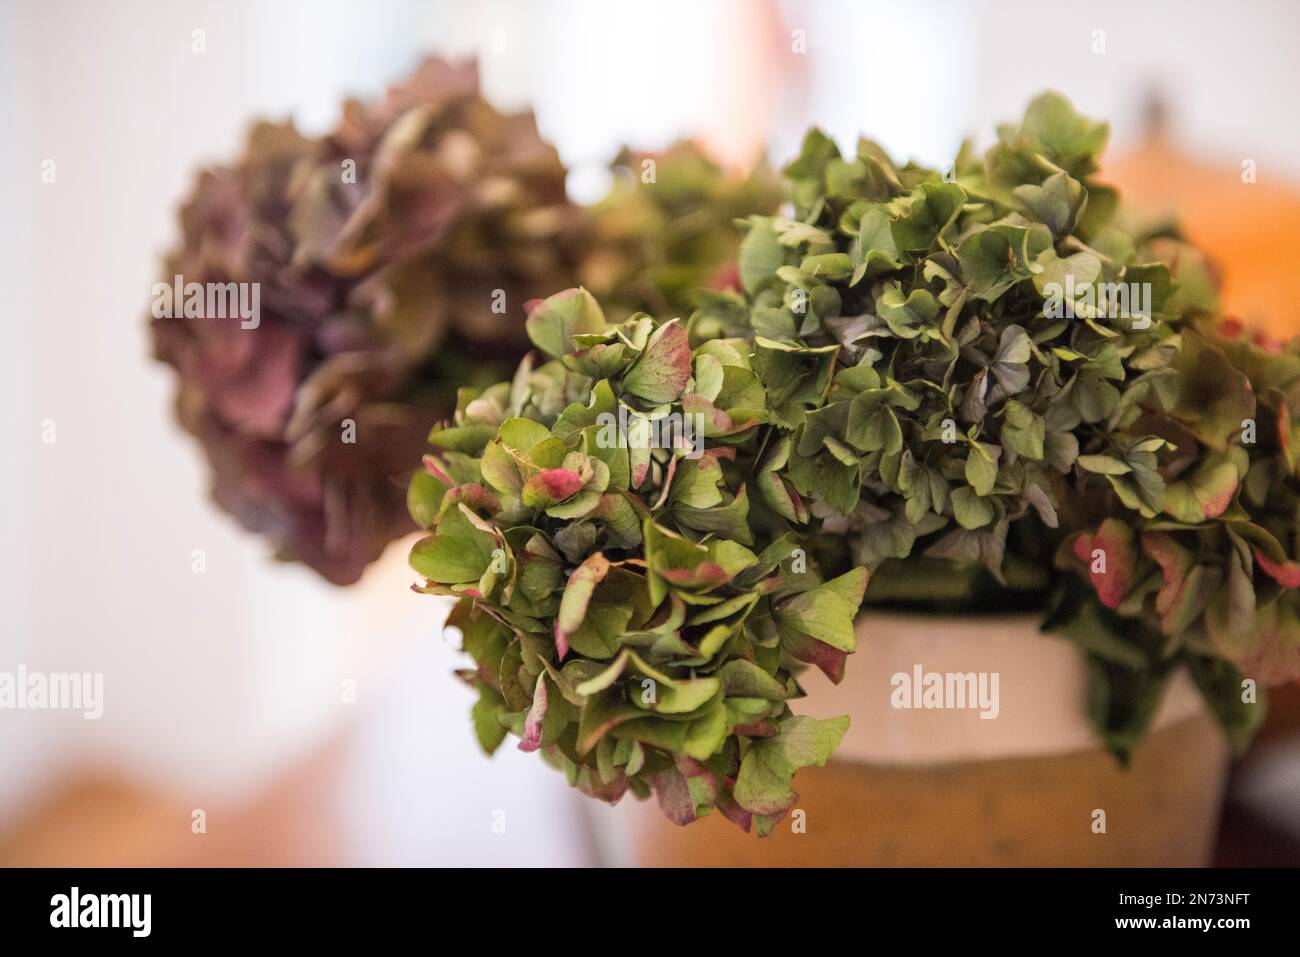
{"x": 945, "y": 786}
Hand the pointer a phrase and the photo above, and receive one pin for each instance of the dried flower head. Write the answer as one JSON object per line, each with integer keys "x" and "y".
{"x": 391, "y": 261}
{"x": 995, "y": 359}
{"x": 634, "y": 610}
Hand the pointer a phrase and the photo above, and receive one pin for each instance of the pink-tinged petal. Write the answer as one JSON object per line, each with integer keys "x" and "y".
{"x": 257, "y": 394}
{"x": 664, "y": 368}
{"x": 1183, "y": 593}
{"x": 705, "y": 575}
{"x": 727, "y": 277}
{"x": 533, "y": 723}
{"x": 805, "y": 648}
{"x": 1114, "y": 580}
{"x": 1286, "y": 573}
{"x": 732, "y": 811}
{"x": 669, "y": 474}
{"x": 1216, "y": 503}
{"x": 1082, "y": 547}
{"x": 475, "y": 496}
{"x": 674, "y": 796}
{"x": 611, "y": 793}
{"x": 692, "y": 768}
{"x": 1174, "y": 561}
{"x": 1206, "y": 494}
{"x": 800, "y": 507}
{"x": 577, "y": 596}
{"x": 550, "y": 487}
{"x": 561, "y": 483}
{"x": 434, "y": 468}
{"x": 719, "y": 422}
{"x": 1271, "y": 651}
{"x": 1267, "y": 342}
{"x": 712, "y": 574}
{"x": 639, "y": 471}
{"x": 672, "y": 789}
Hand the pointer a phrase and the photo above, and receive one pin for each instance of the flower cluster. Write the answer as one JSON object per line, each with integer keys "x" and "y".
{"x": 1207, "y": 575}
{"x": 618, "y": 526}
{"x": 377, "y": 251}
{"x": 392, "y": 259}
{"x": 996, "y": 361}
{"x": 993, "y": 331}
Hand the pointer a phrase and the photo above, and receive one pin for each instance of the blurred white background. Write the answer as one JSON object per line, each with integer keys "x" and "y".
{"x": 215, "y": 683}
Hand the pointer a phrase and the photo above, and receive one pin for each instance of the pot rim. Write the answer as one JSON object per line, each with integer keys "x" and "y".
{"x": 1036, "y": 704}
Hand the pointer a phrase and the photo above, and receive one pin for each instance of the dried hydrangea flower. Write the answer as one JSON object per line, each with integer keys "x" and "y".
{"x": 392, "y": 259}
{"x": 982, "y": 361}
{"x": 632, "y": 610}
